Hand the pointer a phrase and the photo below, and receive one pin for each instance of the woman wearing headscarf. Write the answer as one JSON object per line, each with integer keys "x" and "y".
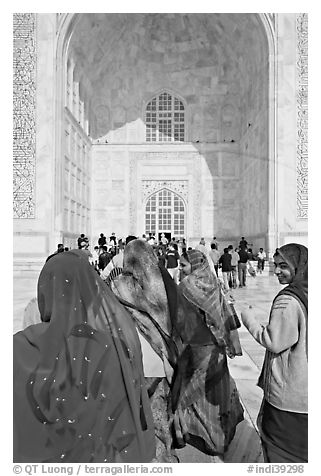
{"x": 210, "y": 393}
{"x": 179, "y": 362}
{"x": 283, "y": 418}
{"x": 78, "y": 389}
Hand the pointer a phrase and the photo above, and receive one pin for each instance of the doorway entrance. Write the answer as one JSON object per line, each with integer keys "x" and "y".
{"x": 165, "y": 213}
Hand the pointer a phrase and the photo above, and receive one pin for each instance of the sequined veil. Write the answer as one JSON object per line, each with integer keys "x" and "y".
{"x": 79, "y": 392}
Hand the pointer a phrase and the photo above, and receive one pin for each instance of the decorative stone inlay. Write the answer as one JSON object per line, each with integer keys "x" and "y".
{"x": 151, "y": 186}
{"x": 302, "y": 115}
{"x": 24, "y": 114}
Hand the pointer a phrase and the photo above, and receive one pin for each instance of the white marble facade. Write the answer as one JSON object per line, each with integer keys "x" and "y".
{"x": 241, "y": 168}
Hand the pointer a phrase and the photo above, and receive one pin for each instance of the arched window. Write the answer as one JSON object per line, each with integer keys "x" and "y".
{"x": 165, "y": 119}
{"x": 165, "y": 213}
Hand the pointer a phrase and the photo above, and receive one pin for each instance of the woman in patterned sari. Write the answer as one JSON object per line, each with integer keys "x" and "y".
{"x": 79, "y": 390}
{"x": 209, "y": 393}
{"x": 181, "y": 357}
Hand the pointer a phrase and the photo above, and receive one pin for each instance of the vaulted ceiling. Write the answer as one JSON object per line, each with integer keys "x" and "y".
{"x": 121, "y": 56}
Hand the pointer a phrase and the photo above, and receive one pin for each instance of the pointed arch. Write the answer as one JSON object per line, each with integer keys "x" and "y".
{"x": 165, "y": 212}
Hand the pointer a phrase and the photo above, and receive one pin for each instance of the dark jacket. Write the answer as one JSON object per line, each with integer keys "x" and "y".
{"x": 103, "y": 260}
{"x": 244, "y": 257}
{"x": 226, "y": 260}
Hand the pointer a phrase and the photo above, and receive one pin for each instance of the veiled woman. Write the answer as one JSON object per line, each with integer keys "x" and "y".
{"x": 283, "y": 418}
{"x": 79, "y": 391}
{"x": 180, "y": 354}
{"x": 203, "y": 370}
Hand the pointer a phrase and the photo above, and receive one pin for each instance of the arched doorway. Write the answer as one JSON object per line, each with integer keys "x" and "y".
{"x": 229, "y": 159}
{"x": 165, "y": 212}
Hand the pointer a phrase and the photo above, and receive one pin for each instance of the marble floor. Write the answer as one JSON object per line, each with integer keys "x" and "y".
{"x": 259, "y": 292}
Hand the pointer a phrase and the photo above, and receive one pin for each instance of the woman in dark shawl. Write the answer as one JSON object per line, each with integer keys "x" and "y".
{"x": 283, "y": 418}
{"x": 79, "y": 391}
{"x": 180, "y": 355}
{"x": 210, "y": 393}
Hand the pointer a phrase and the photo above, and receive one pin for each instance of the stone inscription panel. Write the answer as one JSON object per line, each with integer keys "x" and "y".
{"x": 24, "y": 114}
{"x": 302, "y": 116}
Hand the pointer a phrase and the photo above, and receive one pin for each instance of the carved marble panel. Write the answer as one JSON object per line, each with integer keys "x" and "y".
{"x": 151, "y": 186}
{"x": 302, "y": 116}
{"x": 24, "y": 114}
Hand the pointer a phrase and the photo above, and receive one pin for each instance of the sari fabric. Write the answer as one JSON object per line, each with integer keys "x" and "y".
{"x": 79, "y": 391}
{"x": 208, "y": 398}
{"x": 203, "y": 402}
{"x": 202, "y": 289}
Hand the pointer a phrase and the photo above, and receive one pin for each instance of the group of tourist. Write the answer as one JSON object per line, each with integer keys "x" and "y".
{"x": 135, "y": 369}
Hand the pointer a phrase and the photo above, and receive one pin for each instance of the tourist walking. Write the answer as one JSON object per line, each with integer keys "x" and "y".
{"x": 242, "y": 266}
{"x": 235, "y": 258}
{"x": 172, "y": 262}
{"x": 102, "y": 240}
{"x": 261, "y": 256}
{"x": 225, "y": 262}
{"x": 80, "y": 239}
{"x": 243, "y": 243}
{"x": 214, "y": 255}
{"x": 103, "y": 258}
{"x": 283, "y": 418}
{"x": 78, "y": 388}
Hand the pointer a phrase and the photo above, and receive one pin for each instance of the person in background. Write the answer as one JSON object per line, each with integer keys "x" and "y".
{"x": 151, "y": 239}
{"x": 79, "y": 394}
{"x": 261, "y": 257}
{"x": 243, "y": 243}
{"x": 103, "y": 258}
{"x": 60, "y": 249}
{"x": 214, "y": 256}
{"x": 250, "y": 254}
{"x": 164, "y": 240}
{"x": 172, "y": 262}
{"x": 115, "y": 265}
{"x": 234, "y": 263}
{"x": 80, "y": 239}
{"x": 214, "y": 242}
{"x": 161, "y": 256}
{"x": 283, "y": 418}
{"x": 225, "y": 262}
{"x": 95, "y": 255}
{"x": 112, "y": 240}
{"x": 242, "y": 266}
{"x": 102, "y": 240}
{"x": 84, "y": 246}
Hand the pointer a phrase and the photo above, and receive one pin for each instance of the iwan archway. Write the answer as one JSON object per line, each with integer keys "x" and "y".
{"x": 220, "y": 69}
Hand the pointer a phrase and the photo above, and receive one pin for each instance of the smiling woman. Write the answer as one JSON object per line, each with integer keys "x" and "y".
{"x": 283, "y": 418}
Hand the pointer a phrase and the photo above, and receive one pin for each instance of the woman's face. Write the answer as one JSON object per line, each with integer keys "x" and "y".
{"x": 185, "y": 267}
{"x": 283, "y": 270}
